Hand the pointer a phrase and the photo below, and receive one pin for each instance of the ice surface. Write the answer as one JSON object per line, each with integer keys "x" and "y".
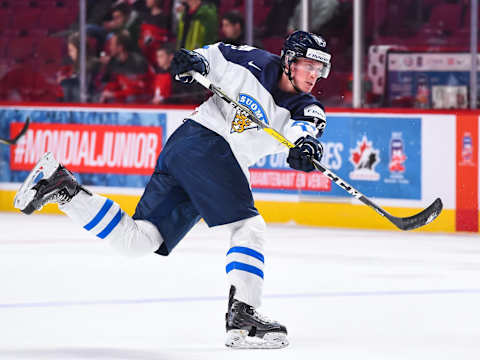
{"x": 343, "y": 294}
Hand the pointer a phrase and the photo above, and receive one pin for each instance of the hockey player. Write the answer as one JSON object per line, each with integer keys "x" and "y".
{"x": 202, "y": 172}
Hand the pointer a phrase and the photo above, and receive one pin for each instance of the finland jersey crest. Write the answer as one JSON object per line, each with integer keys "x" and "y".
{"x": 240, "y": 122}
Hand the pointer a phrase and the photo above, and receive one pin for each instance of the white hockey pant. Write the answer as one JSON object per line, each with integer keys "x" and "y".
{"x": 245, "y": 259}
{"x": 104, "y": 218}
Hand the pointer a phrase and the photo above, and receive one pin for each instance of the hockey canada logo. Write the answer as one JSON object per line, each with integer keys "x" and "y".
{"x": 241, "y": 122}
{"x": 364, "y": 159}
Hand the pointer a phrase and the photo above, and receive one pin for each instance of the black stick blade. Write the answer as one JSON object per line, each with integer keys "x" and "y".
{"x": 16, "y": 138}
{"x": 422, "y": 218}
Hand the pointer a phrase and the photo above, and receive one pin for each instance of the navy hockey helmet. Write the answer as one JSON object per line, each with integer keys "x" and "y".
{"x": 302, "y": 44}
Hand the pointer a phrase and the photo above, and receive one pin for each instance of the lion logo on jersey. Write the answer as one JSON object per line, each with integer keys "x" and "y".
{"x": 241, "y": 122}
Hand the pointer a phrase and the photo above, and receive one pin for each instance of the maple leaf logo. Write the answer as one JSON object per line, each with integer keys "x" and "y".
{"x": 357, "y": 155}
{"x": 364, "y": 159}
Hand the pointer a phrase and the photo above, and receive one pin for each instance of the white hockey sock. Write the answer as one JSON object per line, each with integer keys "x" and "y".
{"x": 245, "y": 261}
{"x": 105, "y": 219}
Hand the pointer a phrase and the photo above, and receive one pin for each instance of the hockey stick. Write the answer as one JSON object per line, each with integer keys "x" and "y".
{"x": 404, "y": 223}
{"x": 16, "y": 138}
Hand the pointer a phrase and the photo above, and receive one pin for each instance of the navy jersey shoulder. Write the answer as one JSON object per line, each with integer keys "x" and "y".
{"x": 266, "y": 67}
{"x": 263, "y": 65}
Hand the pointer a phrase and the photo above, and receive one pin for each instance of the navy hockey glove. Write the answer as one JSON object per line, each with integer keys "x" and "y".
{"x": 306, "y": 148}
{"x": 185, "y": 61}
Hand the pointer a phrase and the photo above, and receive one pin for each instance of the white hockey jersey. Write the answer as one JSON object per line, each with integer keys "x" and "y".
{"x": 251, "y": 76}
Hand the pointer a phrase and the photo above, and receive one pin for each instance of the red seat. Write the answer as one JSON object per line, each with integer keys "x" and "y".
{"x": 261, "y": 9}
{"x": 467, "y": 16}
{"x": 57, "y": 19}
{"x": 20, "y": 5}
{"x": 26, "y": 20}
{"x": 21, "y": 49}
{"x": 229, "y": 5}
{"x": 3, "y": 46}
{"x": 445, "y": 18}
{"x": 50, "y": 49}
{"x": 38, "y": 33}
{"x": 376, "y": 17}
{"x": 50, "y": 70}
{"x": 27, "y": 83}
{"x": 5, "y": 16}
{"x": 334, "y": 91}
{"x": 273, "y": 44}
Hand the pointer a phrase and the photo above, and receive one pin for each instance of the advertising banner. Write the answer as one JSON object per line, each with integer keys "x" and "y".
{"x": 439, "y": 80}
{"x": 104, "y": 148}
{"x": 380, "y": 156}
{"x": 89, "y": 148}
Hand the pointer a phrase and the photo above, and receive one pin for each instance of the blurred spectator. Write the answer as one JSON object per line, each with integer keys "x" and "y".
{"x": 154, "y": 30}
{"x": 124, "y": 19}
{"x": 277, "y": 19}
{"x": 322, "y": 11}
{"x": 126, "y": 73}
{"x": 139, "y": 6}
{"x": 68, "y": 78}
{"x": 98, "y": 11}
{"x": 163, "y": 80}
{"x": 166, "y": 89}
{"x": 155, "y": 14}
{"x": 232, "y": 28}
{"x": 198, "y": 24}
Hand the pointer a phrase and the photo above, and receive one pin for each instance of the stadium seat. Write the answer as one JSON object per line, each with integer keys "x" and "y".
{"x": 27, "y": 83}
{"x": 21, "y": 49}
{"x": 20, "y": 5}
{"x": 5, "y": 16}
{"x": 50, "y": 49}
{"x": 376, "y": 14}
{"x": 58, "y": 19}
{"x": 261, "y": 9}
{"x": 445, "y": 19}
{"x": 229, "y": 5}
{"x": 38, "y": 33}
{"x": 50, "y": 70}
{"x": 273, "y": 44}
{"x": 467, "y": 16}
{"x": 3, "y": 46}
{"x": 26, "y": 20}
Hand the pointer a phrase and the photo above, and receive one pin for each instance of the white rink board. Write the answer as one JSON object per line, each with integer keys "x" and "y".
{"x": 438, "y": 159}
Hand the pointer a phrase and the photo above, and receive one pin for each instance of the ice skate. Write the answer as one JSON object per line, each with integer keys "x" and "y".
{"x": 247, "y": 329}
{"x": 48, "y": 182}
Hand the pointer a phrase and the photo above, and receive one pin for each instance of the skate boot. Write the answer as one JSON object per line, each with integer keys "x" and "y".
{"x": 48, "y": 182}
{"x": 247, "y": 329}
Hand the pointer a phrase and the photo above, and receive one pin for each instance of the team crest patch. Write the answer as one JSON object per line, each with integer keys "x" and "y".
{"x": 240, "y": 122}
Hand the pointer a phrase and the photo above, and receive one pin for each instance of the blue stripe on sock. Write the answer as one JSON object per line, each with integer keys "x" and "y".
{"x": 246, "y": 251}
{"x": 108, "y": 229}
{"x": 235, "y": 265}
{"x": 100, "y": 215}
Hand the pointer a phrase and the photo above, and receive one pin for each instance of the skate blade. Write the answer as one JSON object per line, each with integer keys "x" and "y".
{"x": 239, "y": 339}
{"x": 45, "y": 167}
